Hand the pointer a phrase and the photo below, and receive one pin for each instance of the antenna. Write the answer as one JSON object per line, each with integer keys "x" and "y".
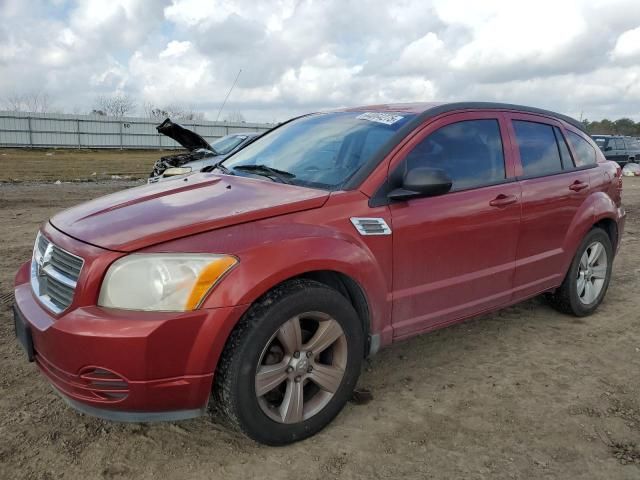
{"x": 228, "y": 93}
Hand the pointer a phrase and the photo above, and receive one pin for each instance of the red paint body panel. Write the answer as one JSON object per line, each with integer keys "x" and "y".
{"x": 448, "y": 258}
{"x": 153, "y": 213}
{"x": 454, "y": 255}
{"x": 276, "y": 249}
{"x": 166, "y": 358}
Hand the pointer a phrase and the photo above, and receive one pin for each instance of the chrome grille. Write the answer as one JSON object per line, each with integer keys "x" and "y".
{"x": 54, "y": 274}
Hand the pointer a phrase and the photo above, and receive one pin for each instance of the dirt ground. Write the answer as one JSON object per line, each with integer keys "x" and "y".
{"x": 521, "y": 394}
{"x": 20, "y": 164}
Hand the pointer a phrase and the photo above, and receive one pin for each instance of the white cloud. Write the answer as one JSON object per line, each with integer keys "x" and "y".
{"x": 573, "y": 56}
{"x": 628, "y": 44}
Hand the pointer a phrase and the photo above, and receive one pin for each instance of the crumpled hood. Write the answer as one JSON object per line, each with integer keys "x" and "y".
{"x": 185, "y": 137}
{"x": 139, "y": 217}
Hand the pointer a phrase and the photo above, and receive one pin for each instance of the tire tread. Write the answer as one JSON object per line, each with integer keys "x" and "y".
{"x": 228, "y": 365}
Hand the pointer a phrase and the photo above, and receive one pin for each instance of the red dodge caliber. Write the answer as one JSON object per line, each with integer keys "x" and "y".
{"x": 261, "y": 285}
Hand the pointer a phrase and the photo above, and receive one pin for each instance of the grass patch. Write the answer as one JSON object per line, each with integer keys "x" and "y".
{"x": 23, "y": 164}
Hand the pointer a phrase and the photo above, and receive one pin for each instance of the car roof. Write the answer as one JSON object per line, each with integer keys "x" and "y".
{"x": 430, "y": 109}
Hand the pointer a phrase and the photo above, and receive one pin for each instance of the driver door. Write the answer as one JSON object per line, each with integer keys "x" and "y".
{"x": 454, "y": 254}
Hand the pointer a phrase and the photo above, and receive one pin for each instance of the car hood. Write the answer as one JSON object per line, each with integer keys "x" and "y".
{"x": 185, "y": 137}
{"x": 139, "y": 217}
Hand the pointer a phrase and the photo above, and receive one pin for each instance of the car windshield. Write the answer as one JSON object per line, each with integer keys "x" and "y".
{"x": 321, "y": 150}
{"x": 228, "y": 143}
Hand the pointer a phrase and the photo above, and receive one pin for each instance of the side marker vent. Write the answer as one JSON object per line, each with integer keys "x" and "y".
{"x": 371, "y": 226}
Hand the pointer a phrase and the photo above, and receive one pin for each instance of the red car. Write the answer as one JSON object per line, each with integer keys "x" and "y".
{"x": 261, "y": 286}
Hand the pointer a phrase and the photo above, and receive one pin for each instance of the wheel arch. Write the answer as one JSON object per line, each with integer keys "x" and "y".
{"x": 351, "y": 290}
{"x": 598, "y": 210}
{"x": 345, "y": 285}
{"x": 610, "y": 226}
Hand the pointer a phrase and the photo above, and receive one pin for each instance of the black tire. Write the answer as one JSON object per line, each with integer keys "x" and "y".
{"x": 566, "y": 298}
{"x": 234, "y": 388}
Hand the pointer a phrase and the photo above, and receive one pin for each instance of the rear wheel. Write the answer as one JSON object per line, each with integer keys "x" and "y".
{"x": 588, "y": 278}
{"x": 291, "y": 364}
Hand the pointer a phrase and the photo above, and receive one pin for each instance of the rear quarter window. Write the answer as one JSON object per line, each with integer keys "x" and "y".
{"x": 585, "y": 153}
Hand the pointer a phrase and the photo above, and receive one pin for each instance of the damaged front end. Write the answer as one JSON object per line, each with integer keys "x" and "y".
{"x": 173, "y": 161}
{"x": 197, "y": 147}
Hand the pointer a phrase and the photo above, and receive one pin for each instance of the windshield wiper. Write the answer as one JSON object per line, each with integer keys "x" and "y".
{"x": 284, "y": 177}
{"x": 219, "y": 166}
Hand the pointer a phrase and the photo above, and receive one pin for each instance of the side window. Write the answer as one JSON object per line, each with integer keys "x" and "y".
{"x": 470, "y": 152}
{"x": 619, "y": 144}
{"x": 539, "y": 152}
{"x": 565, "y": 155}
{"x": 585, "y": 153}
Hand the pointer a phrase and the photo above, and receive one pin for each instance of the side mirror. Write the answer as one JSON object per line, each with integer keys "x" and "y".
{"x": 422, "y": 182}
{"x": 607, "y": 149}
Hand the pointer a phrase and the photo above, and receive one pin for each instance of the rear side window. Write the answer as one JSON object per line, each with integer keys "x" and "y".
{"x": 585, "y": 153}
{"x": 470, "y": 152}
{"x": 539, "y": 152}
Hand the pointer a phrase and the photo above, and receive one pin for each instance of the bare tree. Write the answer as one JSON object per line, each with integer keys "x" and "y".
{"x": 174, "y": 110}
{"x": 38, "y": 102}
{"x": 235, "y": 117}
{"x": 115, "y": 105}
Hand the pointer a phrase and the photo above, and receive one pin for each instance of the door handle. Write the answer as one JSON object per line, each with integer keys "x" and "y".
{"x": 503, "y": 200}
{"x": 578, "y": 185}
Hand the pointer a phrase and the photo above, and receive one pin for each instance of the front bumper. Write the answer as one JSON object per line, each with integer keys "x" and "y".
{"x": 124, "y": 365}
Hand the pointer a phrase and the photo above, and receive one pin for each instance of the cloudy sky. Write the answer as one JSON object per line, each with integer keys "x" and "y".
{"x": 578, "y": 57}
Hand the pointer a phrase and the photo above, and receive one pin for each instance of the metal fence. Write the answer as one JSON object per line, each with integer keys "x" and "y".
{"x": 38, "y": 130}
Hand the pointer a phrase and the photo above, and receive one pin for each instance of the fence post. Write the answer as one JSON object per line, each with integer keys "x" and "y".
{"x": 78, "y": 130}
{"x": 30, "y": 132}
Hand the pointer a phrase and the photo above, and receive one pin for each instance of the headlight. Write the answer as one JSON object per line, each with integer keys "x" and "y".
{"x": 172, "y": 172}
{"x": 162, "y": 281}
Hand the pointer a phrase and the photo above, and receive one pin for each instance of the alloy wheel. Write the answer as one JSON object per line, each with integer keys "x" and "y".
{"x": 301, "y": 367}
{"x": 592, "y": 273}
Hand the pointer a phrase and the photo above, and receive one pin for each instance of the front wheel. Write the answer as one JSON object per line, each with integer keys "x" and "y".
{"x": 291, "y": 364}
{"x": 588, "y": 278}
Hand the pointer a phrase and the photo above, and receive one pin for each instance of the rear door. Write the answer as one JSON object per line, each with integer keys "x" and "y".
{"x": 454, "y": 254}
{"x": 553, "y": 189}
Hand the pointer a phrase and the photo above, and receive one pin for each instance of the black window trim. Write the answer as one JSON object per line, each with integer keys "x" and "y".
{"x": 556, "y": 132}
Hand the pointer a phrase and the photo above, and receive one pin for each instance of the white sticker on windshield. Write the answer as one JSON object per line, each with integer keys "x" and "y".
{"x": 386, "y": 118}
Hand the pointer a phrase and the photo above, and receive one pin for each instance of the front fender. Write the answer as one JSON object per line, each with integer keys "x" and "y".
{"x": 265, "y": 266}
{"x": 277, "y": 249}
